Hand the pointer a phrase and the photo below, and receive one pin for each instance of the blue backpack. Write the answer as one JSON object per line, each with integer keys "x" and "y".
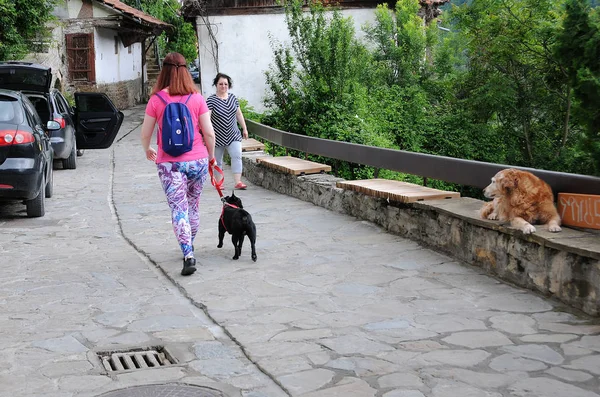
{"x": 177, "y": 128}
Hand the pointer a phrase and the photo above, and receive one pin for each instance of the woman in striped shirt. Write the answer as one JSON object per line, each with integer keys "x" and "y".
{"x": 225, "y": 116}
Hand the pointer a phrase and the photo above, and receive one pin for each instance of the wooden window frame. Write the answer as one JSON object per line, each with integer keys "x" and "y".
{"x": 70, "y": 49}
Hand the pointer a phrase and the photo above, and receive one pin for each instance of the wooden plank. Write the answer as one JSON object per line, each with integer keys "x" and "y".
{"x": 294, "y": 166}
{"x": 251, "y": 144}
{"x": 396, "y": 190}
{"x": 581, "y": 210}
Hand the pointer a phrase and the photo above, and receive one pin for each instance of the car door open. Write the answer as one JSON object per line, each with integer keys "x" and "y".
{"x": 97, "y": 120}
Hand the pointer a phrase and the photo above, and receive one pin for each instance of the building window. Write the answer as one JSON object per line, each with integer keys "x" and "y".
{"x": 41, "y": 43}
{"x": 80, "y": 54}
{"x": 40, "y": 47}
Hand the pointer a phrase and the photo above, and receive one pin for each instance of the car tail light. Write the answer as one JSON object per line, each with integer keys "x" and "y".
{"x": 61, "y": 121}
{"x": 2, "y": 186}
{"x": 15, "y": 137}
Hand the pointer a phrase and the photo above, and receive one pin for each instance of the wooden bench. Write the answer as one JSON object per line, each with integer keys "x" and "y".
{"x": 293, "y": 165}
{"x": 396, "y": 190}
{"x": 251, "y": 144}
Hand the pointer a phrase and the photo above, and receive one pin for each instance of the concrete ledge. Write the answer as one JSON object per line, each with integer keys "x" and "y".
{"x": 563, "y": 265}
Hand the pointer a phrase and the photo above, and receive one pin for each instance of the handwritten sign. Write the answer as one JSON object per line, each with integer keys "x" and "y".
{"x": 582, "y": 210}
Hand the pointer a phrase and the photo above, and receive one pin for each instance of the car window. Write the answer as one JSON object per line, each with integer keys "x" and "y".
{"x": 32, "y": 114}
{"x": 10, "y": 111}
{"x": 29, "y": 117}
{"x": 94, "y": 103}
{"x": 61, "y": 102}
{"x": 20, "y": 75}
{"x": 41, "y": 106}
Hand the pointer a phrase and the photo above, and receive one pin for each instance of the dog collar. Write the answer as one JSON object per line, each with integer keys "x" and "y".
{"x": 223, "y": 212}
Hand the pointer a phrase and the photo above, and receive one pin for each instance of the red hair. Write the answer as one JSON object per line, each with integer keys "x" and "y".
{"x": 175, "y": 75}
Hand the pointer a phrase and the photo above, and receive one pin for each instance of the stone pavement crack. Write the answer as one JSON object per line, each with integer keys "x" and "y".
{"x": 180, "y": 288}
{"x": 126, "y": 135}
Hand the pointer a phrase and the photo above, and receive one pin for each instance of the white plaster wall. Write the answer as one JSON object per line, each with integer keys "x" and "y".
{"x": 245, "y": 51}
{"x": 73, "y": 7}
{"x": 99, "y": 11}
{"x": 61, "y": 9}
{"x": 111, "y": 67}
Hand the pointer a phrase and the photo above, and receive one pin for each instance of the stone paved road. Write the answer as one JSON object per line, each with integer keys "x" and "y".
{"x": 333, "y": 306}
{"x": 71, "y": 284}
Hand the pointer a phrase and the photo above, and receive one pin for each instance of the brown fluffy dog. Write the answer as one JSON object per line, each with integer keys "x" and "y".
{"x": 521, "y": 198}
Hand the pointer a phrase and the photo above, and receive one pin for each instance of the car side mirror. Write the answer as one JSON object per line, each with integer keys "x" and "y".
{"x": 52, "y": 126}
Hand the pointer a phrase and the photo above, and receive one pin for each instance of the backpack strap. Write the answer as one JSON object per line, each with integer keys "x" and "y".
{"x": 165, "y": 101}
{"x": 161, "y": 98}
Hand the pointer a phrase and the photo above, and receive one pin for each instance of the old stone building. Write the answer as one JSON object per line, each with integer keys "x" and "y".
{"x": 100, "y": 45}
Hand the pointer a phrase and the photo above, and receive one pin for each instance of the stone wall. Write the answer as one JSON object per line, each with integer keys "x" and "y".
{"x": 124, "y": 94}
{"x": 563, "y": 265}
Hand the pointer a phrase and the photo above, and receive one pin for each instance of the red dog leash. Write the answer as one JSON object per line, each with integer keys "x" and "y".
{"x": 212, "y": 166}
{"x": 223, "y": 213}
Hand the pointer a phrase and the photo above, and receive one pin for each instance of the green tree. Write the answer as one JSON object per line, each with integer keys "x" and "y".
{"x": 317, "y": 75}
{"x": 22, "y": 21}
{"x": 400, "y": 42}
{"x": 318, "y": 82}
{"x": 509, "y": 83}
{"x": 514, "y": 80}
{"x": 405, "y": 53}
{"x": 579, "y": 49}
{"x": 182, "y": 38}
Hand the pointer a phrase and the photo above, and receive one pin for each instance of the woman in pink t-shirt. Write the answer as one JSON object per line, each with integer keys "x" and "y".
{"x": 182, "y": 177}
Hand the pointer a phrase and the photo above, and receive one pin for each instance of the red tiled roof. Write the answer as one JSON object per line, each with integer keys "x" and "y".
{"x": 133, "y": 12}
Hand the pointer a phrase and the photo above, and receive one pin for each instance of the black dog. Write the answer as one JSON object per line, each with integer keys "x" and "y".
{"x": 236, "y": 221}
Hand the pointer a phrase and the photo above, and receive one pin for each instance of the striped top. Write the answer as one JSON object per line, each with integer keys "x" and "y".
{"x": 223, "y": 118}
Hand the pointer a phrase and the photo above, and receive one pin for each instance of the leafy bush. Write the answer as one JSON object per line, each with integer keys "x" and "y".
{"x": 182, "y": 38}
{"x": 23, "y": 21}
{"x": 512, "y": 83}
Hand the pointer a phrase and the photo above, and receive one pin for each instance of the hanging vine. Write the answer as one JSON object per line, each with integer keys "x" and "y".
{"x": 200, "y": 9}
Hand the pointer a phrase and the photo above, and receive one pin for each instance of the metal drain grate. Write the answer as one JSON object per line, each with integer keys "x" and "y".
{"x": 169, "y": 390}
{"x": 135, "y": 359}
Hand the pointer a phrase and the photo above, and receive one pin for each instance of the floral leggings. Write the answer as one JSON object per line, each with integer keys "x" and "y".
{"x": 183, "y": 183}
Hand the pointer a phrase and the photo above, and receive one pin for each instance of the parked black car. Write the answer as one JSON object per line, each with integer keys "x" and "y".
{"x": 26, "y": 147}
{"x": 25, "y": 153}
{"x": 75, "y": 133}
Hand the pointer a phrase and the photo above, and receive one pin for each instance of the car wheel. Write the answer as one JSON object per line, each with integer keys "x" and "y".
{"x": 70, "y": 163}
{"x": 49, "y": 191}
{"x": 80, "y": 152}
{"x": 36, "y": 207}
